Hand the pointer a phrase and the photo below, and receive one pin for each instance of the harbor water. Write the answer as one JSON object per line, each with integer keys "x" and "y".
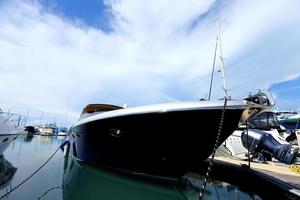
{"x": 66, "y": 178}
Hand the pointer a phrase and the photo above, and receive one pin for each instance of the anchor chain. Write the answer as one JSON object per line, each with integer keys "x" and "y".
{"x": 214, "y": 150}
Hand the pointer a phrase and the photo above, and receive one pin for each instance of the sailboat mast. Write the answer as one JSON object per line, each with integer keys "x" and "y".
{"x": 213, "y": 69}
{"x": 222, "y": 59}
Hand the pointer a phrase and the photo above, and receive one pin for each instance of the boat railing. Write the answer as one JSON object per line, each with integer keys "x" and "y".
{"x": 16, "y": 119}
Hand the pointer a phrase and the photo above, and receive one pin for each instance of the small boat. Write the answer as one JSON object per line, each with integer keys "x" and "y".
{"x": 165, "y": 139}
{"x": 62, "y": 131}
{"x": 11, "y": 127}
{"x": 31, "y": 130}
{"x": 292, "y": 122}
{"x": 266, "y": 121}
{"x": 265, "y": 139}
{"x": 48, "y": 129}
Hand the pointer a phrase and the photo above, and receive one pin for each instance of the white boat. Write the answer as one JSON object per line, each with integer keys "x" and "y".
{"x": 11, "y": 127}
{"x": 48, "y": 129}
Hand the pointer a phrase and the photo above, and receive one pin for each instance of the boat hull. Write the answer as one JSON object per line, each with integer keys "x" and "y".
{"x": 163, "y": 143}
{"x": 8, "y": 133}
{"x": 6, "y": 140}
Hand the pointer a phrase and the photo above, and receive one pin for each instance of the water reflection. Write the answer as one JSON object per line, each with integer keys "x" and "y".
{"x": 28, "y": 154}
{"x": 28, "y": 138}
{"x": 7, "y": 171}
{"x": 82, "y": 181}
{"x": 46, "y": 140}
{"x": 68, "y": 179}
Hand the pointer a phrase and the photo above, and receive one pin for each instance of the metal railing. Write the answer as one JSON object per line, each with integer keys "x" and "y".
{"x": 16, "y": 119}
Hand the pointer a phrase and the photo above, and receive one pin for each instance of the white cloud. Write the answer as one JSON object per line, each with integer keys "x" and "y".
{"x": 159, "y": 51}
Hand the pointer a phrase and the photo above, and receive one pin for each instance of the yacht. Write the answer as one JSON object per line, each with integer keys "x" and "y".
{"x": 165, "y": 139}
{"x": 48, "y": 129}
{"x": 11, "y": 127}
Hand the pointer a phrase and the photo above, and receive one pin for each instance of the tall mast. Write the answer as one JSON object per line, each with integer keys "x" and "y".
{"x": 222, "y": 60}
{"x": 213, "y": 68}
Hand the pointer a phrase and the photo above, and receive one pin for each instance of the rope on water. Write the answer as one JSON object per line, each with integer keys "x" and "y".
{"x": 25, "y": 180}
{"x": 53, "y": 188}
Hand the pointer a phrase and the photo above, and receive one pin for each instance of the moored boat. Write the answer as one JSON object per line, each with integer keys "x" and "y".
{"x": 292, "y": 122}
{"x": 48, "y": 129}
{"x": 166, "y": 139}
{"x": 11, "y": 127}
{"x": 264, "y": 138}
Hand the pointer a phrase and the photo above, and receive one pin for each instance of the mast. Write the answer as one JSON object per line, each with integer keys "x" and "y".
{"x": 213, "y": 69}
{"x": 25, "y": 122}
{"x": 218, "y": 43}
{"x": 222, "y": 60}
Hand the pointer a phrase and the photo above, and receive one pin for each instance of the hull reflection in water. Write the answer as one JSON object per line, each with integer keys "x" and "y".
{"x": 7, "y": 171}
{"x": 83, "y": 181}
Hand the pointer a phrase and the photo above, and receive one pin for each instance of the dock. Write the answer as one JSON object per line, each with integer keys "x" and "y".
{"x": 287, "y": 173}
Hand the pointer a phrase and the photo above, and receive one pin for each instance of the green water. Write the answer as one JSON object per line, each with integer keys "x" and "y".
{"x": 65, "y": 178}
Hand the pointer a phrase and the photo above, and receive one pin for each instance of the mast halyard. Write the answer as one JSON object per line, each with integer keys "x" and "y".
{"x": 213, "y": 69}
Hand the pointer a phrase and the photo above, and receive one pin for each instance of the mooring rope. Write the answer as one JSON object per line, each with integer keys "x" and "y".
{"x": 25, "y": 180}
{"x": 44, "y": 194}
{"x": 214, "y": 150}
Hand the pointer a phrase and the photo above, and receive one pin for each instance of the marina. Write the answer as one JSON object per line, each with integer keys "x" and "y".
{"x": 160, "y": 100}
{"x": 112, "y": 147}
{"x": 66, "y": 178}
{"x": 74, "y": 166}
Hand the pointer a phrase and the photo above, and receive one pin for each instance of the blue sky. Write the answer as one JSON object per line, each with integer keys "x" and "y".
{"x": 57, "y": 56}
{"x": 288, "y": 94}
{"x": 92, "y": 13}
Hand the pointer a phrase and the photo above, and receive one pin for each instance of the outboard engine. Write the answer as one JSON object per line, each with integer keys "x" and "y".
{"x": 264, "y": 144}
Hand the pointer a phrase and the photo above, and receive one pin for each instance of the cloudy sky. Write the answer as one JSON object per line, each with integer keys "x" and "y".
{"x": 57, "y": 56}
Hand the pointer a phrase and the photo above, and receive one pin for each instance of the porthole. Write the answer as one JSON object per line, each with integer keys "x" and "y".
{"x": 115, "y": 132}
{"x": 4, "y": 140}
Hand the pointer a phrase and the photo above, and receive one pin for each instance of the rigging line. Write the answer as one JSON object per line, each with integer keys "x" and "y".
{"x": 222, "y": 59}
{"x": 25, "y": 180}
{"x": 213, "y": 68}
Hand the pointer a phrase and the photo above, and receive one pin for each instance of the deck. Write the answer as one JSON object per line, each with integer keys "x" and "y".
{"x": 287, "y": 173}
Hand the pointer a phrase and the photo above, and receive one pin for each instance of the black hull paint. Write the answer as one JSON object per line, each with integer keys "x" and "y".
{"x": 166, "y": 143}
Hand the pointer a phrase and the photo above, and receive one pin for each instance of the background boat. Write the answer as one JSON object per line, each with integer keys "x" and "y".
{"x": 292, "y": 122}
{"x": 11, "y": 127}
{"x": 48, "y": 129}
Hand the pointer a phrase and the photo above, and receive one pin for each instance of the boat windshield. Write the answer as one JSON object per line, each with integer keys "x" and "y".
{"x": 265, "y": 121}
{"x": 93, "y": 109}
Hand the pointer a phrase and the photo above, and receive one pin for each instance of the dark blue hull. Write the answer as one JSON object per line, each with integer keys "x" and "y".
{"x": 291, "y": 126}
{"x": 167, "y": 144}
